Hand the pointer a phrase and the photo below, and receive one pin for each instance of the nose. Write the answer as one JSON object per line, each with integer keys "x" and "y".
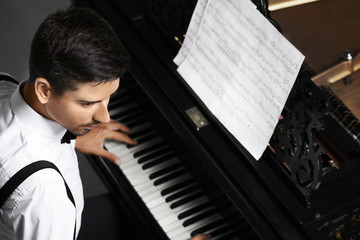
{"x": 102, "y": 113}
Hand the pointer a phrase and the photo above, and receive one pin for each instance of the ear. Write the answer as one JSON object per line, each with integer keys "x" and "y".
{"x": 42, "y": 90}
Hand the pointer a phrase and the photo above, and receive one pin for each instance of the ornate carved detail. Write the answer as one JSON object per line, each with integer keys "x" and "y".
{"x": 294, "y": 143}
{"x": 346, "y": 227}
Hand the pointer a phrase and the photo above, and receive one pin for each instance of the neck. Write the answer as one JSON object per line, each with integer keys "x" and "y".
{"x": 28, "y": 93}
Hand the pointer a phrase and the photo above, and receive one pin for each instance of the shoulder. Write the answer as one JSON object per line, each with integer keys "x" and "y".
{"x": 7, "y": 87}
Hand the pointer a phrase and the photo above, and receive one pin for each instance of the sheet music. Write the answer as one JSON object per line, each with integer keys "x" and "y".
{"x": 191, "y": 32}
{"x": 241, "y": 67}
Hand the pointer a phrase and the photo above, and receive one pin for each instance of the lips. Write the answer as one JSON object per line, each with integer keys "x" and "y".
{"x": 90, "y": 126}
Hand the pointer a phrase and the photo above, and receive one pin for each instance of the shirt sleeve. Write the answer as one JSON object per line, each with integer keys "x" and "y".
{"x": 45, "y": 211}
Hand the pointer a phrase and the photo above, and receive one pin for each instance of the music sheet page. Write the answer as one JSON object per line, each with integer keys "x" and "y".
{"x": 241, "y": 67}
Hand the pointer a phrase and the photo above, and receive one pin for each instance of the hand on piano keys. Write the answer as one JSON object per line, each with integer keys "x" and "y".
{"x": 93, "y": 141}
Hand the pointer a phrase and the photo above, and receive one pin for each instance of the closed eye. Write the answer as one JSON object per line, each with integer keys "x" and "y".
{"x": 87, "y": 104}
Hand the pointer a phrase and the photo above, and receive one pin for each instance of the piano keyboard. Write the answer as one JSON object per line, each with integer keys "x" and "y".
{"x": 174, "y": 198}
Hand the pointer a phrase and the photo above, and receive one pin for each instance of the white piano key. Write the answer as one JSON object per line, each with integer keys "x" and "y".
{"x": 172, "y": 226}
{"x": 177, "y": 232}
{"x": 159, "y": 215}
{"x": 140, "y": 179}
{"x": 155, "y": 202}
{"x": 145, "y": 185}
{"x": 168, "y": 220}
{"x": 161, "y": 208}
{"x": 185, "y": 236}
{"x": 152, "y": 196}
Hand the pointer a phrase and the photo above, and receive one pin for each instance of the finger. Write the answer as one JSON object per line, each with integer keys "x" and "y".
{"x": 119, "y": 136}
{"x": 115, "y": 125}
{"x": 201, "y": 237}
{"x": 110, "y": 156}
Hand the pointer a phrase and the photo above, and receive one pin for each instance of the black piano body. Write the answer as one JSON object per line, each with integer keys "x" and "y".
{"x": 304, "y": 186}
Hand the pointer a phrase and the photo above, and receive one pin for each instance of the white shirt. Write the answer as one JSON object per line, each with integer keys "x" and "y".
{"x": 39, "y": 208}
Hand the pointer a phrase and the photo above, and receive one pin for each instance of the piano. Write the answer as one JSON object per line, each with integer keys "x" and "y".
{"x": 186, "y": 177}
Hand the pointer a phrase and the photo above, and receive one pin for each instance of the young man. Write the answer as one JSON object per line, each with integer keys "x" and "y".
{"x": 76, "y": 63}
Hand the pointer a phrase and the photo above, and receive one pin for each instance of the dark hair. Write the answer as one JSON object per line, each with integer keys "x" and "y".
{"x": 76, "y": 46}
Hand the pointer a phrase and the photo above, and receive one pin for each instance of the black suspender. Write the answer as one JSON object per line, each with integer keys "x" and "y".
{"x": 23, "y": 174}
{"x": 8, "y": 78}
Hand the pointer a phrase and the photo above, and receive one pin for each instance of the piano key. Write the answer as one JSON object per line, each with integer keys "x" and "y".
{"x": 203, "y": 215}
{"x": 166, "y": 170}
{"x": 182, "y": 237}
{"x": 130, "y": 116}
{"x": 145, "y": 185}
{"x": 154, "y": 203}
{"x": 144, "y": 139}
{"x": 183, "y": 192}
{"x": 162, "y": 155}
{"x": 136, "y": 123}
{"x": 177, "y": 232}
{"x": 206, "y": 228}
{"x": 203, "y": 222}
{"x": 185, "y": 200}
{"x": 176, "y": 187}
{"x": 117, "y": 105}
{"x": 147, "y": 150}
{"x": 222, "y": 233}
{"x": 123, "y": 108}
{"x": 152, "y": 196}
{"x": 195, "y": 210}
{"x": 137, "y": 169}
{"x": 141, "y": 132}
{"x": 127, "y": 111}
{"x": 170, "y": 176}
{"x": 168, "y": 220}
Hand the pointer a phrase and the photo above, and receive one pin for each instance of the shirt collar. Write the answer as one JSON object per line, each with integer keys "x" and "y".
{"x": 32, "y": 120}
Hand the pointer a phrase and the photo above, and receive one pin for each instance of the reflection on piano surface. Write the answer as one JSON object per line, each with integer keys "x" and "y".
{"x": 180, "y": 180}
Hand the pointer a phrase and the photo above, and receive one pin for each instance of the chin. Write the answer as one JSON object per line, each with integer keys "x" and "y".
{"x": 79, "y": 132}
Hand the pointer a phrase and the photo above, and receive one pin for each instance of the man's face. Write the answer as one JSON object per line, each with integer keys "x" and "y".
{"x": 81, "y": 110}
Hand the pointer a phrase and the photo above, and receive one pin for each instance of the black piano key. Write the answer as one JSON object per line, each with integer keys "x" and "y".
{"x": 176, "y": 187}
{"x": 186, "y": 200}
{"x": 228, "y": 236}
{"x": 222, "y": 230}
{"x": 161, "y": 150}
{"x": 169, "y": 177}
{"x": 136, "y": 122}
{"x": 120, "y": 102}
{"x": 181, "y": 193}
{"x": 141, "y": 132}
{"x": 165, "y": 170}
{"x": 129, "y": 118}
{"x": 143, "y": 139}
{"x": 158, "y": 160}
{"x": 195, "y": 210}
{"x": 148, "y": 149}
{"x": 199, "y": 217}
{"x": 207, "y": 227}
{"x": 118, "y": 116}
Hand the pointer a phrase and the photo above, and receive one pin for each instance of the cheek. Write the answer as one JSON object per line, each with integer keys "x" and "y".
{"x": 69, "y": 115}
